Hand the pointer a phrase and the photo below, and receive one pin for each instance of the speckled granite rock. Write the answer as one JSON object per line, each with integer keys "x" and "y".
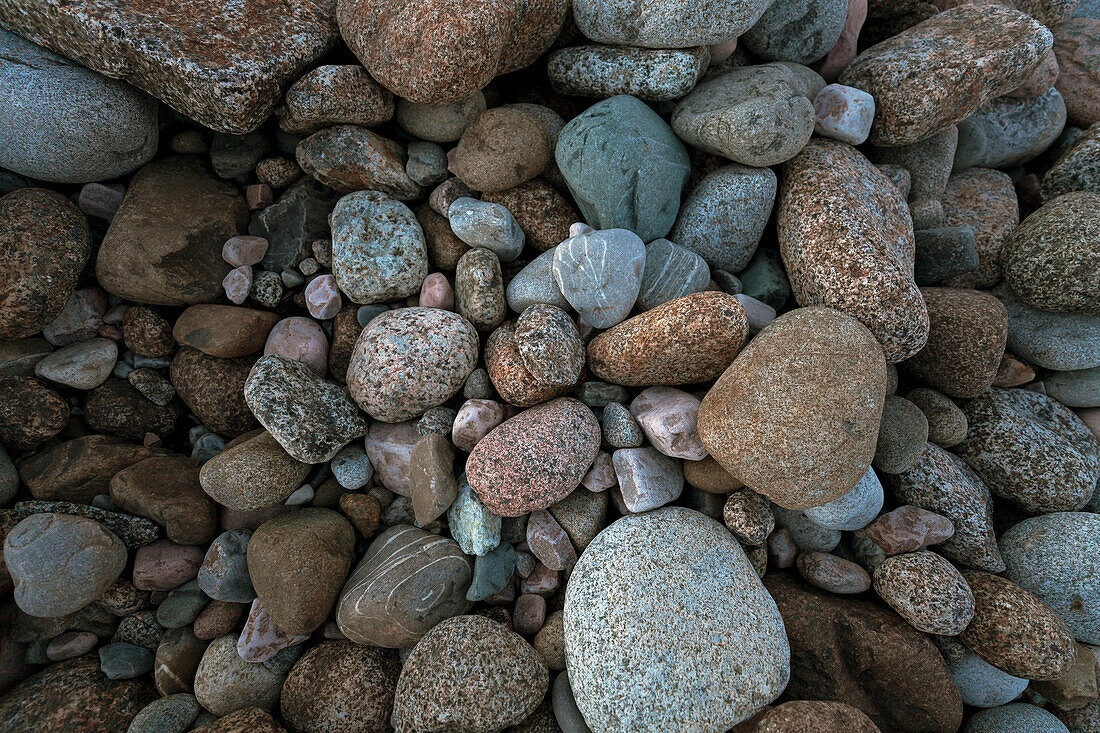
{"x": 654, "y": 75}
{"x": 927, "y": 591}
{"x": 819, "y": 716}
{"x": 985, "y": 201}
{"x": 508, "y": 373}
{"x": 1077, "y": 47}
{"x": 652, "y": 24}
{"x": 253, "y": 473}
{"x": 846, "y": 238}
{"x": 938, "y": 72}
{"x": 214, "y": 389}
{"x": 687, "y": 607}
{"x": 348, "y": 158}
{"x": 222, "y": 65}
{"x": 225, "y": 683}
{"x": 335, "y": 95}
{"x": 800, "y": 31}
{"x": 1076, "y": 170}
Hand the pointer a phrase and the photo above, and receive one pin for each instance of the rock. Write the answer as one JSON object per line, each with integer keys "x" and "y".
{"x": 472, "y": 673}
{"x": 164, "y": 566}
{"x": 30, "y": 413}
{"x": 1078, "y": 169}
{"x": 902, "y": 435}
{"x": 1015, "y": 631}
{"x": 60, "y": 563}
{"x": 261, "y": 639}
{"x": 440, "y": 123}
{"x": 427, "y": 163}
{"x": 118, "y": 408}
{"x": 652, "y": 25}
{"x": 620, "y": 429}
{"x": 961, "y": 59}
{"x": 297, "y": 562}
{"x": 671, "y": 272}
{"x": 944, "y": 253}
{"x": 1077, "y": 688}
{"x": 389, "y": 447}
{"x": 1007, "y": 132}
{"x": 684, "y": 341}
{"x": 724, "y": 216}
{"x": 432, "y": 484}
{"x": 624, "y": 166}
{"x": 946, "y": 422}
{"x": 335, "y": 95}
{"x": 704, "y": 576}
{"x": 18, "y": 356}
{"x": 1061, "y": 341}
{"x": 493, "y": 575}
{"x": 843, "y": 113}
{"x": 647, "y": 478}
{"x": 543, "y": 214}
{"x": 755, "y": 115}
{"x": 474, "y": 527}
{"x": 408, "y": 581}
{"x": 224, "y": 572}
{"x": 816, "y": 715}
{"x": 927, "y": 591}
{"x": 225, "y": 683}
{"x": 909, "y": 528}
{"x": 214, "y": 389}
{"x": 535, "y": 284}
{"x": 347, "y": 158}
{"x": 549, "y": 345}
{"x": 814, "y": 243}
{"x": 748, "y": 516}
{"x": 483, "y": 224}
{"x": 166, "y": 489}
{"x": 79, "y": 469}
{"x": 1043, "y": 256}
{"x": 797, "y": 30}
{"x": 655, "y": 75}
{"x": 45, "y": 242}
{"x": 1052, "y": 556}
{"x": 535, "y": 458}
{"x": 853, "y": 510}
{"x": 123, "y": 661}
{"x": 74, "y": 695}
{"x": 300, "y": 339}
{"x": 340, "y": 686}
{"x": 432, "y": 350}
{"x": 378, "y": 250}
{"x": 854, "y": 650}
{"x": 1076, "y": 46}
{"x": 600, "y": 274}
{"x": 985, "y": 201}
{"x": 164, "y": 245}
{"x": 981, "y": 684}
{"x": 222, "y": 330}
{"x": 820, "y": 465}
{"x": 832, "y": 573}
{"x": 297, "y": 218}
{"x": 479, "y": 289}
{"x": 1031, "y": 450}
{"x": 252, "y": 474}
{"x": 1016, "y": 717}
{"x": 669, "y": 417}
{"x": 145, "y": 332}
{"x": 503, "y": 148}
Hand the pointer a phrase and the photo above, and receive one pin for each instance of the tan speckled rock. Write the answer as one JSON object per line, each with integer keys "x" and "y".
{"x": 815, "y": 716}
{"x": 984, "y": 200}
{"x": 335, "y": 95}
{"x": 503, "y": 148}
{"x": 349, "y": 158}
{"x": 796, "y": 416}
{"x": 225, "y": 683}
{"x": 927, "y": 591}
{"x": 510, "y": 376}
{"x": 846, "y": 237}
{"x": 246, "y": 720}
{"x": 252, "y": 474}
{"x": 31, "y": 413}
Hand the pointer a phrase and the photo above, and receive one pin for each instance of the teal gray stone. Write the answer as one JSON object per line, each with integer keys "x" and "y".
{"x": 801, "y": 31}
{"x": 729, "y": 283}
{"x": 981, "y": 684}
{"x": 671, "y": 272}
{"x": 601, "y": 394}
{"x": 223, "y": 574}
{"x": 1086, "y": 9}
{"x": 928, "y": 161}
{"x": 121, "y": 660}
{"x": 427, "y": 163}
{"x": 1059, "y": 341}
{"x": 724, "y": 216}
{"x": 237, "y": 155}
{"x": 1079, "y": 388}
{"x": 943, "y": 253}
{"x": 620, "y": 428}
{"x": 63, "y": 123}
{"x": 624, "y": 166}
{"x": 661, "y": 24}
{"x": 182, "y": 606}
{"x": 1078, "y": 169}
{"x": 1017, "y": 717}
{"x": 535, "y": 284}
{"x": 170, "y": 714}
{"x": 1007, "y": 132}
{"x": 482, "y": 224}
{"x": 492, "y": 572}
{"x": 854, "y": 510}
{"x": 1057, "y": 557}
{"x": 766, "y": 280}
{"x": 600, "y": 274}
{"x": 807, "y": 534}
{"x": 655, "y": 75}
{"x": 473, "y": 526}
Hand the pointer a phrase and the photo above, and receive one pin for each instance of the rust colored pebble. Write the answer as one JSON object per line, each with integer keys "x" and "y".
{"x": 501, "y": 149}
{"x": 909, "y": 528}
{"x": 1012, "y": 372}
{"x": 218, "y": 619}
{"x": 364, "y": 512}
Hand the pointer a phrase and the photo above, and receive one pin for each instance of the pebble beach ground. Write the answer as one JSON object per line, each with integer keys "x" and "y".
{"x": 605, "y": 366}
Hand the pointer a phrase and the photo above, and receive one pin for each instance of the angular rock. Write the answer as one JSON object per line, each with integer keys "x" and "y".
{"x": 214, "y": 389}
{"x": 166, "y": 489}
{"x": 335, "y": 95}
{"x": 347, "y": 158}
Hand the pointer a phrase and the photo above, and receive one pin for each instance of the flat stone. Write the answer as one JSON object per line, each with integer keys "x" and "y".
{"x": 261, "y": 639}
{"x": 549, "y": 542}
{"x": 79, "y": 469}
{"x": 166, "y": 489}
{"x": 909, "y": 528}
{"x": 652, "y": 25}
{"x": 489, "y": 225}
{"x": 655, "y": 75}
{"x": 84, "y": 365}
{"x": 223, "y": 330}
{"x": 1007, "y": 132}
{"x": 335, "y": 95}
{"x": 347, "y": 158}
{"x": 479, "y": 289}
{"x": 389, "y": 447}
{"x": 832, "y": 573}
{"x": 493, "y": 575}
{"x": 171, "y": 714}
{"x": 297, "y": 218}
{"x": 123, "y": 661}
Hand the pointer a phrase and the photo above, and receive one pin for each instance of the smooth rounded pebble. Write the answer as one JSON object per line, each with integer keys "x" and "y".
{"x": 927, "y": 591}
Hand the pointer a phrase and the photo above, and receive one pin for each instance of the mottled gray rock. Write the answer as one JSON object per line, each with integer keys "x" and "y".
{"x": 927, "y": 591}
{"x": 479, "y": 289}
{"x": 481, "y": 224}
{"x": 655, "y": 75}
{"x": 349, "y": 158}
{"x": 944, "y": 253}
{"x": 724, "y": 216}
{"x": 929, "y": 164}
{"x": 801, "y": 31}
{"x": 439, "y": 123}
{"x": 1079, "y": 388}
{"x": 1007, "y": 132}
{"x": 311, "y": 418}
{"x": 654, "y": 24}
{"x": 671, "y": 271}
{"x": 600, "y": 274}
{"x": 535, "y": 284}
{"x": 647, "y": 478}
{"x": 63, "y": 123}
{"x": 83, "y": 365}
{"x": 169, "y": 714}
{"x": 687, "y": 607}
{"x": 297, "y": 219}
{"x": 378, "y": 248}
{"x": 855, "y": 510}
{"x": 1017, "y": 717}
{"x": 1078, "y": 169}
{"x": 225, "y": 683}
{"x": 223, "y": 574}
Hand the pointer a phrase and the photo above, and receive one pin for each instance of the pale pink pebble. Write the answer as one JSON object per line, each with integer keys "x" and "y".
{"x": 258, "y": 196}
{"x": 1091, "y": 418}
{"x": 300, "y": 339}
{"x": 601, "y": 475}
{"x": 549, "y": 542}
{"x": 503, "y": 597}
{"x": 529, "y": 614}
{"x": 70, "y": 644}
{"x": 669, "y": 417}
{"x": 474, "y": 421}
{"x": 781, "y": 548}
{"x": 151, "y": 440}
{"x": 843, "y": 113}
{"x": 578, "y": 228}
{"x": 323, "y": 299}
{"x": 832, "y": 573}
{"x": 261, "y": 639}
{"x": 99, "y": 200}
{"x": 79, "y": 319}
{"x": 244, "y": 250}
{"x": 389, "y": 448}
{"x": 757, "y": 312}
{"x": 165, "y": 565}
{"x": 238, "y": 283}
{"x": 844, "y": 51}
{"x": 108, "y": 331}
{"x": 436, "y": 292}
{"x": 542, "y": 581}
{"x": 115, "y": 314}
{"x": 719, "y": 52}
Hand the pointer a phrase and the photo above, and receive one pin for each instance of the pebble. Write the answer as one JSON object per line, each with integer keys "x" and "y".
{"x": 669, "y": 418}
{"x": 748, "y": 516}
{"x": 182, "y": 606}
{"x": 222, "y": 331}
{"x": 84, "y": 365}
{"x": 600, "y": 274}
{"x": 535, "y": 284}
{"x": 299, "y": 339}
{"x": 601, "y": 476}
{"x": 439, "y": 123}
{"x": 529, "y": 614}
{"x": 982, "y": 685}
{"x": 843, "y": 113}
{"x": 223, "y": 575}
{"x": 479, "y": 289}
{"x": 902, "y": 435}
{"x": 817, "y": 715}
{"x": 501, "y": 149}
{"x": 335, "y": 95}
{"x": 252, "y": 474}
{"x": 550, "y": 345}
{"x": 482, "y": 224}
{"x": 164, "y": 565}
{"x": 671, "y": 271}
{"x": 944, "y": 253}
{"x": 542, "y": 212}
{"x": 947, "y": 424}
{"x": 261, "y": 639}
{"x": 1078, "y": 388}
{"x": 985, "y": 201}
{"x": 1059, "y": 341}
{"x": 663, "y": 580}
{"x": 81, "y": 318}
{"x": 549, "y": 542}
{"x": 427, "y": 163}
{"x": 651, "y": 24}
{"x": 348, "y": 158}
{"x": 832, "y": 573}
{"x": 909, "y": 528}
{"x": 854, "y": 510}
{"x": 225, "y": 683}
{"x": 1076, "y": 169}
{"x": 436, "y": 292}
{"x": 492, "y": 575}
{"x": 244, "y": 250}
{"x": 351, "y": 467}
{"x": 323, "y": 299}
{"x": 267, "y": 288}
{"x": 654, "y": 75}
{"x": 389, "y": 447}
{"x": 624, "y": 166}
{"x": 122, "y": 661}
{"x": 169, "y": 714}
{"x": 1007, "y": 132}
{"x": 927, "y": 591}
{"x": 620, "y": 428}
{"x": 70, "y": 645}
{"x": 1015, "y": 717}
{"x": 474, "y": 421}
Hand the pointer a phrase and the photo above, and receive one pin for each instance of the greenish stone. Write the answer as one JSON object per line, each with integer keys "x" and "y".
{"x": 766, "y": 280}
{"x": 492, "y": 573}
{"x": 171, "y": 714}
{"x": 182, "y": 606}
{"x": 121, "y": 660}
{"x": 1078, "y": 388}
{"x": 601, "y": 394}
{"x": 473, "y": 526}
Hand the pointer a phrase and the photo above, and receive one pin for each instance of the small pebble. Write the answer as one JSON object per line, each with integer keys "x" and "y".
{"x": 323, "y": 297}
{"x": 832, "y": 573}
{"x": 237, "y": 284}
{"x": 244, "y": 251}
{"x": 843, "y": 113}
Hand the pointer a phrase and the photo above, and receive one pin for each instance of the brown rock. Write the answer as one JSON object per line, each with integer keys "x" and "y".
{"x": 985, "y": 201}
{"x": 347, "y": 158}
{"x": 79, "y": 469}
{"x": 223, "y": 331}
{"x": 708, "y": 475}
{"x": 846, "y": 237}
{"x": 297, "y": 562}
{"x": 177, "y": 658}
{"x": 252, "y": 474}
{"x": 766, "y": 423}
{"x": 214, "y": 389}
{"x": 340, "y": 687}
{"x": 166, "y": 489}
{"x": 345, "y": 332}
{"x": 116, "y": 408}
{"x": 335, "y": 95}
{"x": 543, "y": 214}
{"x": 246, "y": 720}
{"x": 74, "y": 696}
{"x": 44, "y": 243}
{"x": 503, "y": 148}
{"x": 851, "y": 650}
{"x": 814, "y": 716}
{"x": 1015, "y": 631}
{"x": 927, "y": 591}
{"x": 510, "y": 376}
{"x": 1077, "y": 688}
{"x": 30, "y": 412}
{"x": 146, "y": 333}
{"x": 218, "y": 618}
{"x": 432, "y": 484}
{"x": 363, "y": 511}
{"x": 445, "y": 249}
{"x": 684, "y": 341}
{"x": 1077, "y": 46}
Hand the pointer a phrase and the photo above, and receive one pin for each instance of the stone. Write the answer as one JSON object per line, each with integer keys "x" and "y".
{"x": 902, "y": 435}
{"x": 30, "y": 413}
{"x": 479, "y": 289}
{"x": 535, "y": 284}
{"x": 653, "y": 25}
{"x": 748, "y": 516}
{"x": 483, "y": 224}
{"x": 493, "y": 575}
{"x": 927, "y": 591}
{"x": 225, "y": 683}
{"x": 298, "y": 218}
{"x": 223, "y": 331}
{"x": 543, "y": 214}
{"x": 1015, "y": 631}
{"x": 252, "y": 474}
{"x": 436, "y": 292}
{"x": 18, "y": 356}
{"x": 655, "y": 75}
{"x": 1078, "y": 169}
{"x": 145, "y": 332}
{"x": 833, "y": 573}
{"x": 806, "y": 464}
{"x": 944, "y": 253}
{"x": 1030, "y": 450}
{"x": 796, "y": 30}
{"x": 164, "y": 566}
{"x": 409, "y": 360}
{"x": 312, "y": 419}
{"x": 1014, "y": 717}
{"x": 600, "y": 274}
{"x": 669, "y": 418}
{"x": 244, "y": 250}
{"x": 300, "y": 339}
{"x": 87, "y": 128}
{"x": 581, "y": 515}
{"x": 123, "y": 661}
{"x": 474, "y": 527}
{"x": 684, "y": 341}
{"x": 1078, "y": 388}
{"x": 378, "y": 250}
{"x": 909, "y": 528}
{"x": 501, "y": 149}
{"x": 118, "y": 408}
{"x": 170, "y": 714}
{"x": 549, "y": 542}
{"x": 765, "y": 281}
{"x": 621, "y": 429}
{"x": 45, "y": 243}
{"x": 439, "y": 123}
{"x": 340, "y": 686}
{"x": 947, "y": 424}
{"x": 1043, "y": 257}
{"x": 335, "y": 95}
{"x": 1076, "y": 44}
{"x": 855, "y": 509}
{"x": 426, "y": 164}
{"x": 182, "y": 606}
{"x": 534, "y": 459}
{"x": 723, "y": 217}
{"x": 389, "y": 447}
{"x": 472, "y": 673}
{"x": 473, "y": 422}
{"x": 709, "y": 635}
{"x": 803, "y": 533}
{"x": 164, "y": 245}
{"x": 816, "y": 715}
{"x": 985, "y": 201}
{"x": 961, "y": 59}
{"x": 981, "y": 684}
{"x": 79, "y": 469}
{"x": 852, "y": 650}
{"x": 166, "y": 489}
{"x": 1060, "y": 341}
{"x": 1007, "y": 132}
{"x": 843, "y": 113}
{"x": 814, "y": 243}
{"x": 550, "y": 345}
{"x": 323, "y": 299}
{"x": 966, "y": 339}
{"x": 624, "y": 166}
{"x": 432, "y": 484}
{"x": 347, "y": 158}
{"x": 224, "y": 572}
{"x": 261, "y": 639}
{"x": 671, "y": 272}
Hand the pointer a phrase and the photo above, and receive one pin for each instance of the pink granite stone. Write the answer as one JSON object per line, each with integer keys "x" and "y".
{"x": 542, "y": 581}
{"x": 844, "y": 51}
{"x": 719, "y": 52}
{"x": 909, "y": 528}
{"x": 237, "y": 284}
{"x": 323, "y": 299}
{"x": 300, "y": 339}
{"x": 436, "y": 292}
{"x": 261, "y": 639}
{"x": 244, "y": 250}
{"x": 669, "y": 418}
{"x": 474, "y": 421}
{"x": 165, "y": 565}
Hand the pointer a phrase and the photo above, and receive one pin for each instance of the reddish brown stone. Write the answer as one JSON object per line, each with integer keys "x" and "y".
{"x": 345, "y": 332}
{"x": 444, "y": 248}
{"x": 223, "y": 331}
{"x": 30, "y": 412}
{"x": 363, "y": 511}
{"x": 248, "y": 720}
{"x": 116, "y": 408}
{"x": 146, "y": 333}
{"x": 909, "y": 528}
{"x": 218, "y": 619}
{"x": 985, "y": 201}
{"x": 333, "y": 95}
{"x": 166, "y": 489}
{"x": 500, "y": 150}
{"x": 815, "y": 716}
{"x": 214, "y": 389}
{"x": 1077, "y": 46}
{"x": 1012, "y": 372}
{"x": 509, "y": 375}
{"x": 79, "y": 469}
{"x": 543, "y": 214}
